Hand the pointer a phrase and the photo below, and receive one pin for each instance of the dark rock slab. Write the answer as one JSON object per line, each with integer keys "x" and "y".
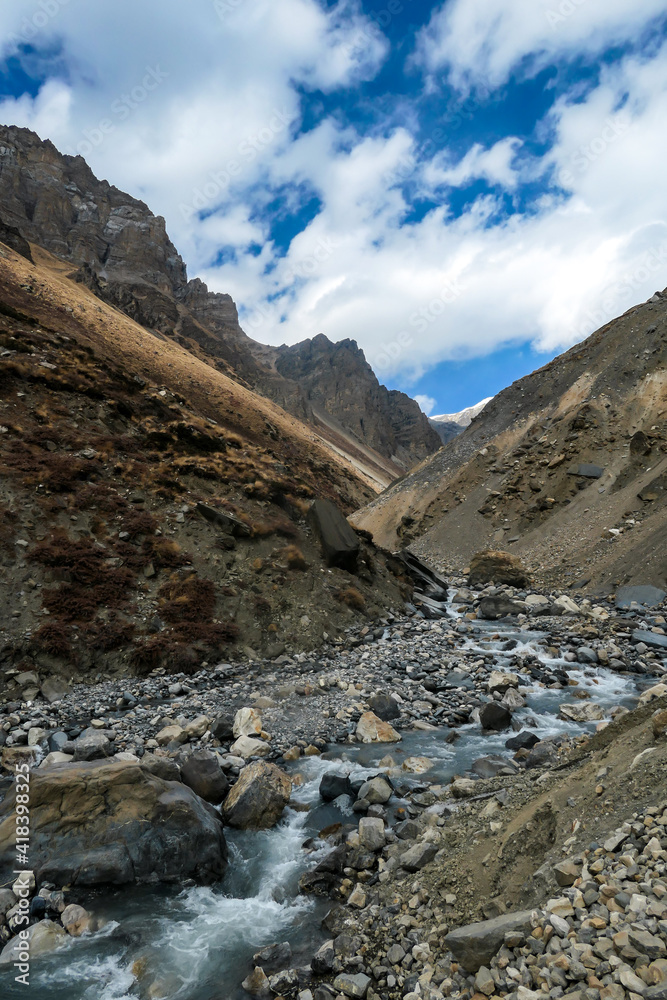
{"x": 653, "y": 639}
{"x": 646, "y": 596}
{"x": 475, "y": 944}
{"x": 495, "y": 716}
{"x": 202, "y": 773}
{"x": 587, "y": 470}
{"x": 340, "y": 543}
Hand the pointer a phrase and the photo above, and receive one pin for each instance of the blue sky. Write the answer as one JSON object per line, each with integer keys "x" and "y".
{"x": 465, "y": 188}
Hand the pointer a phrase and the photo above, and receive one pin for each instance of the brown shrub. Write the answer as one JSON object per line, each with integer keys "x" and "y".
{"x": 187, "y": 600}
{"x": 90, "y": 582}
{"x": 105, "y": 636}
{"x": 352, "y": 597}
{"x": 52, "y": 638}
{"x": 165, "y": 553}
{"x": 139, "y": 522}
{"x": 294, "y": 557}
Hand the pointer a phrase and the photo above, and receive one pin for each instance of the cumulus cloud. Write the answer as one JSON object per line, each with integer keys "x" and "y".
{"x": 478, "y": 44}
{"x": 214, "y": 138}
{"x": 426, "y": 403}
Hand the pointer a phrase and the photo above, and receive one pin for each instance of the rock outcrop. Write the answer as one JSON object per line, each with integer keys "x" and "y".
{"x": 114, "y": 823}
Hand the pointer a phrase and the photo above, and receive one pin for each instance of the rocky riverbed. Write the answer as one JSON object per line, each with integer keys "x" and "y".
{"x": 425, "y": 765}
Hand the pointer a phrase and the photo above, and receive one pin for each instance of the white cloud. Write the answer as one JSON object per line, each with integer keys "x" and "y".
{"x": 426, "y": 403}
{"x": 480, "y": 44}
{"x": 218, "y": 134}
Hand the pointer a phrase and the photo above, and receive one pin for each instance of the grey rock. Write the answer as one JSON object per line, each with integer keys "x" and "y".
{"x": 495, "y": 716}
{"x": 475, "y": 944}
{"x": 202, "y": 773}
{"x": 418, "y": 856}
{"x": 384, "y": 706}
{"x": 646, "y": 596}
{"x": 653, "y": 639}
{"x": 352, "y": 986}
{"x": 273, "y": 957}
{"x": 340, "y": 543}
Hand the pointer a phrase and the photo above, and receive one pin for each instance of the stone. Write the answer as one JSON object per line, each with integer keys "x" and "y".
{"x": 376, "y": 791}
{"x": 228, "y": 522}
{"x": 273, "y": 956}
{"x": 284, "y": 983}
{"x": 162, "y": 767}
{"x": 463, "y": 788}
{"x": 501, "y": 680}
{"x": 257, "y": 984}
{"x": 566, "y": 872}
{"x": 202, "y": 773}
{"x": 657, "y": 691}
{"x": 247, "y": 722}
{"x": 56, "y": 757}
{"x": 384, "y": 706}
{"x": 495, "y": 716}
{"x": 44, "y": 937}
{"x": 258, "y": 798}
{"x": 631, "y": 981}
{"x": 371, "y": 729}
{"x": 524, "y": 740}
{"x": 587, "y": 470}
{"x": 222, "y": 727}
{"x": 587, "y": 655}
{"x": 75, "y": 919}
{"x": 371, "y": 833}
{"x": 491, "y": 766}
{"x": 581, "y": 711}
{"x": 646, "y": 596}
{"x": 54, "y": 689}
{"x": 171, "y": 734}
{"x": 196, "y": 727}
{"x": 417, "y": 765}
{"x": 491, "y": 608}
{"x": 355, "y": 986}
{"x": 474, "y": 945}
{"x": 340, "y": 543}
{"x": 92, "y": 746}
{"x": 334, "y": 784}
{"x": 653, "y": 639}
{"x": 12, "y": 756}
{"x": 118, "y": 824}
{"x": 246, "y": 746}
{"x": 659, "y": 724}
{"x": 418, "y": 856}
{"x": 357, "y": 898}
{"x": 322, "y": 962}
{"x": 484, "y": 981}
{"x": 569, "y": 606}
{"x": 497, "y": 567}
{"x": 325, "y": 874}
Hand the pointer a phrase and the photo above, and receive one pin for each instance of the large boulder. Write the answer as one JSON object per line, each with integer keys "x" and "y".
{"x": 202, "y": 773}
{"x": 43, "y": 937}
{"x": 340, "y": 543}
{"x": 646, "y": 596}
{"x": 114, "y": 822}
{"x": 384, "y": 706}
{"x": 475, "y": 944}
{"x": 499, "y": 607}
{"x": 370, "y": 729}
{"x": 497, "y": 567}
{"x": 581, "y": 711}
{"x": 258, "y": 798}
{"x": 495, "y": 716}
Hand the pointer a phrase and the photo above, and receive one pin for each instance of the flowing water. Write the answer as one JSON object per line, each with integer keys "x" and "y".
{"x": 199, "y": 941}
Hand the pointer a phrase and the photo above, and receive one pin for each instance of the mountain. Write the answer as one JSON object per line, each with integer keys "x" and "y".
{"x": 118, "y": 249}
{"x": 448, "y": 425}
{"x": 567, "y": 468}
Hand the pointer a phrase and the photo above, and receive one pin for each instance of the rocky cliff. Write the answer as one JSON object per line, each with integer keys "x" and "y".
{"x": 122, "y": 252}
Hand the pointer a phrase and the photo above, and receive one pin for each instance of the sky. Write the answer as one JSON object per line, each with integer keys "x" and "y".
{"x": 466, "y": 188}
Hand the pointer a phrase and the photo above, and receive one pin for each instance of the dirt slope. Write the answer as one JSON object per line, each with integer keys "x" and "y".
{"x": 510, "y": 480}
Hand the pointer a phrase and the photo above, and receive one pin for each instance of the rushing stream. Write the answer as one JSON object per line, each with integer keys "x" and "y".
{"x": 199, "y": 941}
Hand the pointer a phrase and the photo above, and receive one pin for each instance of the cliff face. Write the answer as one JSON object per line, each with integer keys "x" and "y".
{"x": 337, "y": 378}
{"x": 122, "y": 252}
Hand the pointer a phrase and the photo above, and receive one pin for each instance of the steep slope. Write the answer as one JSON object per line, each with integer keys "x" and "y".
{"x": 152, "y": 509}
{"x": 518, "y": 476}
{"x": 122, "y": 253}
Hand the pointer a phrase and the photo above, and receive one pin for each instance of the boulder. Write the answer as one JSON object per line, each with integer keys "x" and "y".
{"x": 497, "y": 567}
{"x": 258, "y": 798}
{"x": 202, "y": 773}
{"x": 495, "y": 716}
{"x": 114, "y": 823}
{"x": 325, "y": 874}
{"x": 355, "y": 986}
{"x": 75, "y": 919}
{"x": 340, "y": 543}
{"x": 43, "y": 938}
{"x": 248, "y": 746}
{"x": 54, "y": 689}
{"x": 222, "y": 727}
{"x": 475, "y": 944}
{"x": 371, "y": 729}
{"x": 376, "y": 791}
{"x": 501, "y": 680}
{"x": 524, "y": 740}
{"x": 92, "y": 745}
{"x": 334, "y": 784}
{"x": 384, "y": 706}
{"x": 418, "y": 856}
{"x": 582, "y": 711}
{"x": 653, "y": 639}
{"x": 371, "y": 833}
{"x": 273, "y": 957}
{"x": 493, "y": 765}
{"x": 491, "y": 608}
{"x": 247, "y": 722}
{"x": 647, "y": 597}
{"x": 587, "y": 470}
